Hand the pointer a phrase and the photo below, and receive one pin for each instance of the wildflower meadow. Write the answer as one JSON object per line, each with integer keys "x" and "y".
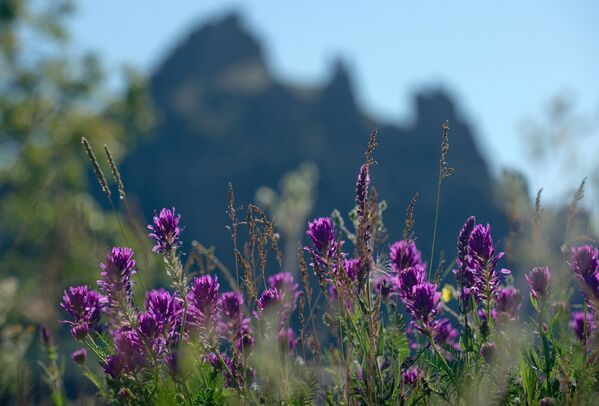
{"x": 365, "y": 319}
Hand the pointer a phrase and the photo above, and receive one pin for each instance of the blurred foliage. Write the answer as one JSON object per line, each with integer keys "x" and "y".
{"x": 52, "y": 230}
{"x": 553, "y": 143}
{"x": 290, "y": 207}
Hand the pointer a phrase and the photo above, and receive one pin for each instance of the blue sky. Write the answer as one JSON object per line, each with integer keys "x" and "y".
{"x": 503, "y": 60}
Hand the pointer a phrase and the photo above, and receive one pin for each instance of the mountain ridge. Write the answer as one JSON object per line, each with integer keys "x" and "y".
{"x": 225, "y": 118}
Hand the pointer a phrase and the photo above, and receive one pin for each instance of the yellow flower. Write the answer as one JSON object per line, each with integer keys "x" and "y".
{"x": 446, "y": 293}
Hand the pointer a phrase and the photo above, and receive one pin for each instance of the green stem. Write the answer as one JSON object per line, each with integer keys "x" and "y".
{"x": 118, "y": 219}
{"x": 184, "y": 320}
{"x": 446, "y": 366}
{"x": 430, "y": 266}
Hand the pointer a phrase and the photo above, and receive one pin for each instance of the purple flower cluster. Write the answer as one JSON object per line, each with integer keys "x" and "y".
{"x": 285, "y": 283}
{"x": 323, "y": 234}
{"x": 508, "y": 301}
{"x": 411, "y": 376}
{"x": 386, "y": 286}
{"x": 477, "y": 262}
{"x": 345, "y": 279}
{"x": 204, "y": 306}
{"x": 585, "y": 264}
{"x": 83, "y": 305}
{"x": 362, "y": 185}
{"x": 116, "y": 283}
{"x": 160, "y": 323}
{"x": 445, "y": 334}
{"x": 79, "y": 356}
{"x": 420, "y": 297}
{"x": 233, "y": 371}
{"x": 270, "y": 300}
{"x": 233, "y": 324}
{"x": 280, "y": 300}
{"x": 423, "y": 305}
{"x": 165, "y": 231}
{"x": 539, "y": 281}
{"x": 407, "y": 279}
{"x": 404, "y": 255}
{"x": 409, "y": 269}
{"x": 578, "y": 325}
{"x": 150, "y": 337}
{"x": 130, "y": 354}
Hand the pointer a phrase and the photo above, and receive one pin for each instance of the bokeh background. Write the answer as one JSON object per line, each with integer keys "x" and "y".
{"x": 278, "y": 99}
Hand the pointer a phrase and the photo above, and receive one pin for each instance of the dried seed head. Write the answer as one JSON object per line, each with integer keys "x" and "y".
{"x": 302, "y": 305}
{"x": 372, "y": 143}
{"x": 96, "y": 167}
{"x": 444, "y": 169}
{"x": 574, "y": 204}
{"x": 304, "y": 273}
{"x": 115, "y": 173}
{"x": 408, "y": 230}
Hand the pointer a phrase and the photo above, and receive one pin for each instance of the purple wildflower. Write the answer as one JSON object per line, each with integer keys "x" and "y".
{"x": 407, "y": 279}
{"x": 482, "y": 314}
{"x": 362, "y": 185}
{"x": 84, "y": 305}
{"x": 424, "y": 305}
{"x": 585, "y": 263}
{"x": 481, "y": 243}
{"x": 464, "y": 238}
{"x": 445, "y": 333}
{"x": 204, "y": 303}
{"x": 270, "y": 299}
{"x": 148, "y": 325}
{"x": 232, "y": 314}
{"x": 411, "y": 376}
{"x": 233, "y": 325}
{"x": 322, "y": 232}
{"x": 340, "y": 283}
{"x": 79, "y": 356}
{"x": 404, "y": 255}
{"x": 161, "y": 322}
{"x": 245, "y": 339}
{"x": 229, "y": 367}
{"x": 130, "y": 347}
{"x": 386, "y": 286}
{"x": 80, "y": 331}
{"x": 165, "y": 308}
{"x": 464, "y": 274}
{"x": 508, "y": 302}
{"x": 115, "y": 365}
{"x": 352, "y": 268}
{"x": 585, "y": 260}
{"x": 116, "y": 282}
{"x": 539, "y": 281}
{"x": 577, "y": 325}
{"x": 284, "y": 282}
{"x": 165, "y": 231}
{"x": 129, "y": 356}
{"x": 477, "y": 261}
{"x": 489, "y": 352}
{"x": 287, "y": 339}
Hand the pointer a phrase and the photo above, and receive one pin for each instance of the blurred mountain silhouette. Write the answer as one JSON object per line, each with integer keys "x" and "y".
{"x": 224, "y": 117}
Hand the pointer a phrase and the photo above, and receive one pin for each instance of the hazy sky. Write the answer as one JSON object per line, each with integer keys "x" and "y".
{"x": 503, "y": 60}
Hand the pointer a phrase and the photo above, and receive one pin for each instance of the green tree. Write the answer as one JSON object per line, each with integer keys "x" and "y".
{"x": 52, "y": 230}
